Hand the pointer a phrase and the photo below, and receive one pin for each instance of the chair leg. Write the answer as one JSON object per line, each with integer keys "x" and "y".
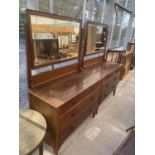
{"x": 41, "y": 149}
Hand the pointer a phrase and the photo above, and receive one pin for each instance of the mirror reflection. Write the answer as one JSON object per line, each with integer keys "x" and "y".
{"x": 54, "y": 39}
{"x": 96, "y": 39}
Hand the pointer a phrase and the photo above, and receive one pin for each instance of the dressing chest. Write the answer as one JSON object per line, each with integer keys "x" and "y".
{"x": 66, "y": 95}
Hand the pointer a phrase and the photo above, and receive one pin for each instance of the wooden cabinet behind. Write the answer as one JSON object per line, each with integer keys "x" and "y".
{"x": 67, "y": 101}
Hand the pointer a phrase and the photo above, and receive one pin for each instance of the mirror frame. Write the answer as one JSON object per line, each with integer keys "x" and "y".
{"x": 29, "y": 40}
{"x": 86, "y": 38}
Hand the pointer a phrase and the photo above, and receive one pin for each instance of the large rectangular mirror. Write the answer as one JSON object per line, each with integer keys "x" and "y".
{"x": 53, "y": 38}
{"x": 96, "y": 38}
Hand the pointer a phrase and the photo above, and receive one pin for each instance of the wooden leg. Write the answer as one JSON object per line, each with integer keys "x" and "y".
{"x": 114, "y": 91}
{"x": 97, "y": 110}
{"x": 94, "y": 114}
{"x": 41, "y": 149}
{"x": 56, "y": 151}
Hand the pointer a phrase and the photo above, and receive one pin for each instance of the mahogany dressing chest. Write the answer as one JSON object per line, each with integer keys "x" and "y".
{"x": 65, "y": 84}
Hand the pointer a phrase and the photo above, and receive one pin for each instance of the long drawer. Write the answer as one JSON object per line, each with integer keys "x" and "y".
{"x": 92, "y": 98}
{"x": 70, "y": 128}
{"x": 73, "y": 102}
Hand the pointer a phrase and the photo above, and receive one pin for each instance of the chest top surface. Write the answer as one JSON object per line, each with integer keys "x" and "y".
{"x": 59, "y": 91}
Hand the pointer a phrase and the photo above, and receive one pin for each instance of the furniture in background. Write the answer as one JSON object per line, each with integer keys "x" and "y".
{"x": 126, "y": 61}
{"x": 122, "y": 56}
{"x": 32, "y": 129}
{"x": 66, "y": 96}
{"x": 127, "y": 147}
{"x": 116, "y": 55}
{"x": 131, "y": 48}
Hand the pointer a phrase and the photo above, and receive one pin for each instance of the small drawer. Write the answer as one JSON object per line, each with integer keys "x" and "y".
{"x": 73, "y": 102}
{"x": 70, "y": 115}
{"x": 70, "y": 128}
{"x": 107, "y": 84}
{"x": 117, "y": 71}
{"x": 109, "y": 76}
{"x": 106, "y": 92}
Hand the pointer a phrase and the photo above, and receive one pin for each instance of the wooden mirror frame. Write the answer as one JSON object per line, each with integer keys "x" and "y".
{"x": 41, "y": 78}
{"x": 29, "y": 37}
{"x": 97, "y": 59}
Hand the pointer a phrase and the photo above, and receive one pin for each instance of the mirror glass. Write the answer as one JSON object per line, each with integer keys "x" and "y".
{"x": 54, "y": 39}
{"x": 96, "y": 38}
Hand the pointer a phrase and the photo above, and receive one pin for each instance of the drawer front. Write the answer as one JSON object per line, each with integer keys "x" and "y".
{"x": 111, "y": 75}
{"x": 113, "y": 81}
{"x": 108, "y": 77}
{"x": 108, "y": 86}
{"x": 72, "y": 126}
{"x": 67, "y": 106}
{"x": 72, "y": 114}
{"x": 117, "y": 71}
{"x": 105, "y": 93}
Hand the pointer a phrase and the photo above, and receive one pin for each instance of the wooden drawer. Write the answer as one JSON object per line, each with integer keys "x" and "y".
{"x": 70, "y": 128}
{"x": 70, "y": 115}
{"x": 106, "y": 92}
{"x": 107, "y": 84}
{"x": 109, "y": 76}
{"x": 73, "y": 102}
{"x": 117, "y": 71}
